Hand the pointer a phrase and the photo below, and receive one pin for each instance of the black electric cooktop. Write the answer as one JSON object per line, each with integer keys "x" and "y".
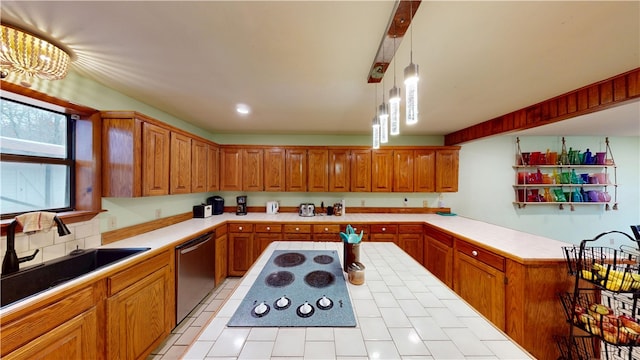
{"x": 298, "y": 288}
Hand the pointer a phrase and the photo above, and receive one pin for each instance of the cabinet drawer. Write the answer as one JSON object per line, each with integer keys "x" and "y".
{"x": 130, "y": 276}
{"x": 297, "y": 229}
{"x": 268, "y": 228}
{"x": 410, "y": 228}
{"x": 297, "y": 237}
{"x": 481, "y": 254}
{"x": 384, "y": 229}
{"x": 444, "y": 238}
{"x": 241, "y": 228}
{"x": 326, "y": 229}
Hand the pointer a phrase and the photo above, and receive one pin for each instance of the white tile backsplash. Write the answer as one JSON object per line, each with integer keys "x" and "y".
{"x": 85, "y": 235}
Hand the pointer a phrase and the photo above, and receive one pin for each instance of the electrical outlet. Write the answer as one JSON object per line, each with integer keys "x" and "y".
{"x": 362, "y": 203}
{"x": 406, "y": 202}
{"x": 112, "y": 222}
{"x": 158, "y": 213}
{"x": 425, "y": 203}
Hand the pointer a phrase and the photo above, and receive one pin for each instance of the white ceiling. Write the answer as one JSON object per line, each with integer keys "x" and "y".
{"x": 302, "y": 65}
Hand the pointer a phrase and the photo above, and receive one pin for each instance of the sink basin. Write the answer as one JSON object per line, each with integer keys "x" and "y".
{"x": 38, "y": 278}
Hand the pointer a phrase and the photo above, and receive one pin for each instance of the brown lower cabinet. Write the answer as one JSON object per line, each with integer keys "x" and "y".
{"x": 221, "y": 255}
{"x": 241, "y": 253}
{"x": 140, "y": 308}
{"x": 411, "y": 240}
{"x": 296, "y": 232}
{"x": 264, "y": 235}
{"x": 124, "y": 315}
{"x": 519, "y": 297}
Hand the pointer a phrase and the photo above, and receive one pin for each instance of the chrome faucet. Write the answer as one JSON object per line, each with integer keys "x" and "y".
{"x": 11, "y": 262}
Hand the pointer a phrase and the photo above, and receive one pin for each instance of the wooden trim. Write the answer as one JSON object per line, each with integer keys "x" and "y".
{"x": 591, "y": 98}
{"x": 129, "y": 231}
{"x": 70, "y": 107}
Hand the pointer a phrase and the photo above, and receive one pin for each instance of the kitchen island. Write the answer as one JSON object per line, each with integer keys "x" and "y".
{"x": 402, "y": 311}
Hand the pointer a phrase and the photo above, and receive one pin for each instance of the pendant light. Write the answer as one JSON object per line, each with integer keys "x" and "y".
{"x": 375, "y": 124}
{"x": 394, "y": 97}
{"x": 383, "y": 115}
{"x": 411, "y": 84}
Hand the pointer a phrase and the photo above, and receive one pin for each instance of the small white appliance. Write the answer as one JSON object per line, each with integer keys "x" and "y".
{"x": 273, "y": 207}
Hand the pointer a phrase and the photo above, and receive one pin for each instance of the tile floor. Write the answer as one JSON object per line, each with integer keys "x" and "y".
{"x": 187, "y": 331}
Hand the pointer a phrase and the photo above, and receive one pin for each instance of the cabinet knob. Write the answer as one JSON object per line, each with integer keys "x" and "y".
{"x": 268, "y": 228}
{"x": 326, "y": 229}
{"x": 240, "y": 228}
{"x": 474, "y": 253}
{"x": 297, "y": 229}
{"x": 384, "y": 229}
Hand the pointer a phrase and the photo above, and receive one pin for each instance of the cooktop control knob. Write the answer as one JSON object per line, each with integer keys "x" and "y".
{"x": 282, "y": 303}
{"x": 261, "y": 309}
{"x": 324, "y": 303}
{"x": 305, "y": 310}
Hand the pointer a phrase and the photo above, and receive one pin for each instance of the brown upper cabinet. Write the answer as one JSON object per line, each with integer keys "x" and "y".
{"x": 155, "y": 160}
{"x": 230, "y": 169}
{"x": 339, "y": 170}
{"x": 213, "y": 181}
{"x": 199, "y": 169}
{"x": 403, "y": 170}
{"x": 361, "y": 170}
{"x": 318, "y": 170}
{"x": 424, "y": 162}
{"x": 382, "y": 170}
{"x": 252, "y": 169}
{"x": 274, "y": 169}
{"x": 296, "y": 169}
{"x": 180, "y": 169}
{"x": 447, "y": 170}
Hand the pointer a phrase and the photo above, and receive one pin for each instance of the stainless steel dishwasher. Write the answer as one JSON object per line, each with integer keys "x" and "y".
{"x": 195, "y": 273}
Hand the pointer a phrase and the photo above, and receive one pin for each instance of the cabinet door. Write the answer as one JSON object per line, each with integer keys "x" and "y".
{"x": 318, "y": 170}
{"x": 212, "y": 168}
{"x": 252, "y": 170}
{"x": 403, "y": 170}
{"x": 382, "y": 170}
{"x": 230, "y": 169}
{"x": 274, "y": 169}
{"x": 410, "y": 240}
{"x": 155, "y": 160}
{"x": 199, "y": 171}
{"x": 74, "y": 339}
{"x": 361, "y": 170}
{"x": 139, "y": 317}
{"x": 424, "y": 170}
{"x": 339, "y": 170}
{"x": 446, "y": 170}
{"x": 482, "y": 286}
{"x": 240, "y": 253}
{"x": 439, "y": 261}
{"x": 296, "y": 170}
{"x": 180, "y": 164}
{"x": 264, "y": 235}
{"x": 221, "y": 258}
{"x": 122, "y": 157}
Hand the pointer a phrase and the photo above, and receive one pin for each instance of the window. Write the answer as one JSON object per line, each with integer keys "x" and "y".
{"x": 36, "y": 171}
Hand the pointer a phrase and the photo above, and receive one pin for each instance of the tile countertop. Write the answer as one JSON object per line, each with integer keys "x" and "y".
{"x": 517, "y": 245}
{"x": 402, "y": 311}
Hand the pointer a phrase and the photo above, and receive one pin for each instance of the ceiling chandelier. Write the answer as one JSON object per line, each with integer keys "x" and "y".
{"x": 411, "y": 84}
{"x": 30, "y": 56}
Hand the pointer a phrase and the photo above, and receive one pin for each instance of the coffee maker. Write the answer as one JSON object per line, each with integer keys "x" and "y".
{"x": 241, "y": 208}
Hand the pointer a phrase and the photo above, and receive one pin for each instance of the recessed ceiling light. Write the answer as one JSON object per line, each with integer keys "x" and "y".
{"x": 243, "y": 109}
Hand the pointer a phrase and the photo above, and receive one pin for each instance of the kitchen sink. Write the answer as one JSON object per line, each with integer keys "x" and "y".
{"x": 38, "y": 278}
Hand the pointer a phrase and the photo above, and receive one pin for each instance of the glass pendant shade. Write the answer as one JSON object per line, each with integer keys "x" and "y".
{"x": 383, "y": 115}
{"x": 376, "y": 132}
{"x": 394, "y": 111}
{"x": 411, "y": 90}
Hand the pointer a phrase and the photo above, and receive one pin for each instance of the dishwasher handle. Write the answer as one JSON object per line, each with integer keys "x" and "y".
{"x": 194, "y": 244}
